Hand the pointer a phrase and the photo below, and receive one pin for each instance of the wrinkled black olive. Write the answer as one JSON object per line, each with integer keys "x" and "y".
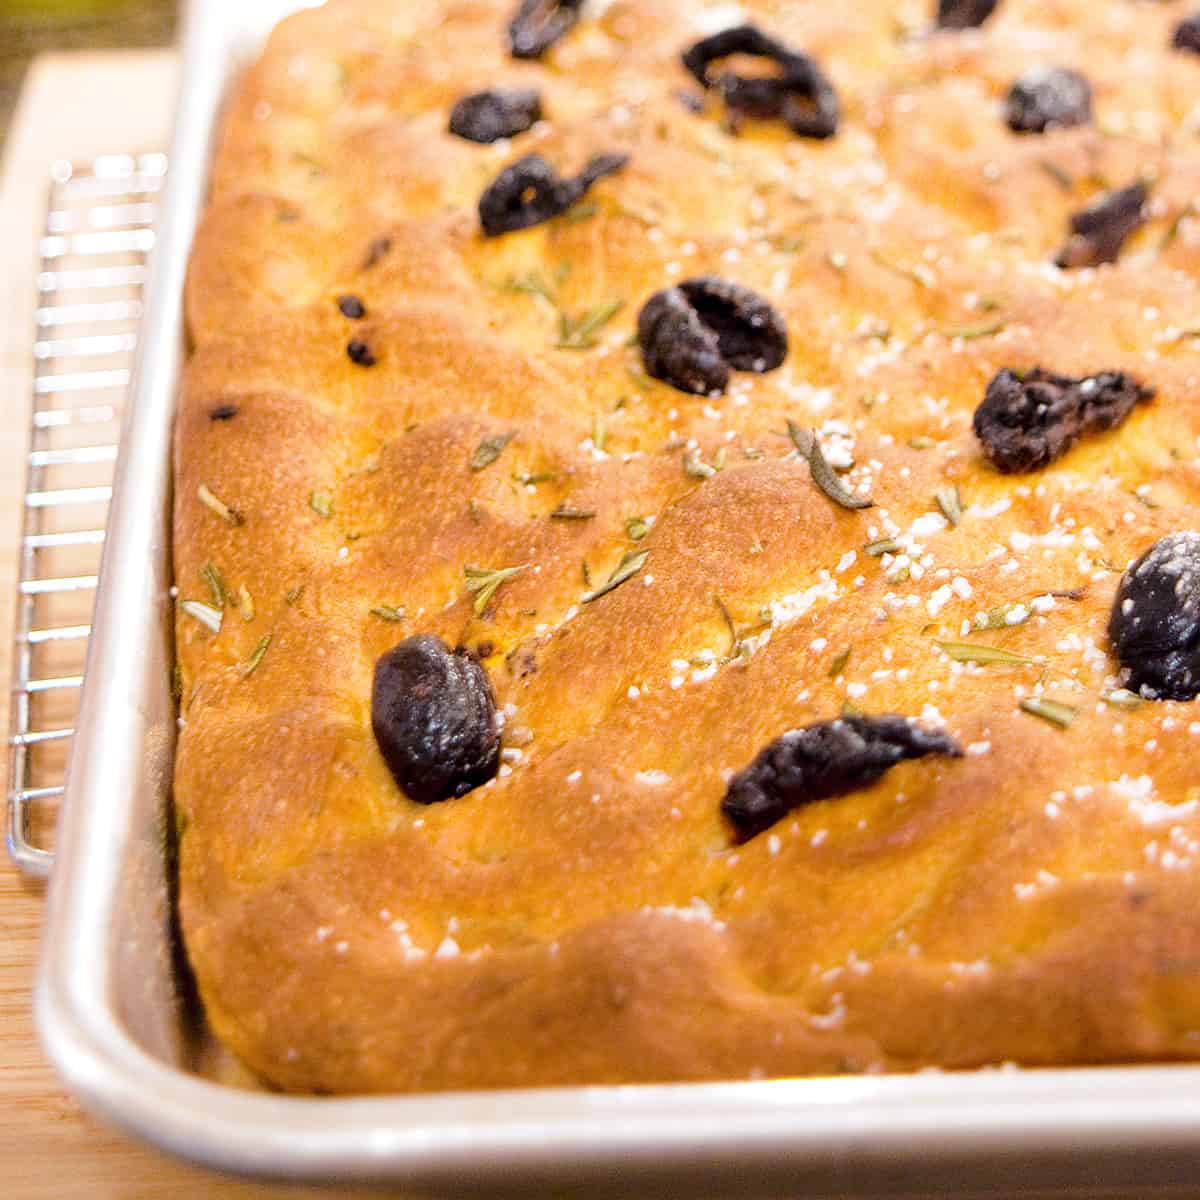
{"x": 1048, "y": 98}
{"x": 538, "y": 24}
{"x": 492, "y": 115}
{"x": 352, "y": 308}
{"x": 1187, "y": 34}
{"x": 434, "y": 718}
{"x": 830, "y": 758}
{"x": 530, "y": 191}
{"x": 964, "y": 14}
{"x": 360, "y": 353}
{"x": 1155, "y": 622}
{"x": 800, "y": 94}
{"x": 1099, "y": 231}
{"x": 1027, "y": 421}
{"x": 693, "y": 334}
{"x": 223, "y": 412}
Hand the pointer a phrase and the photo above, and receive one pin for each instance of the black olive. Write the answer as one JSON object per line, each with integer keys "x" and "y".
{"x": 495, "y": 114}
{"x": 1155, "y": 622}
{"x": 1048, "y": 98}
{"x": 223, "y": 412}
{"x": 359, "y": 352}
{"x": 1099, "y": 231}
{"x": 830, "y": 758}
{"x": 964, "y": 14}
{"x": 352, "y": 308}
{"x": 1187, "y": 34}
{"x": 800, "y": 94}
{"x": 434, "y": 718}
{"x": 530, "y": 191}
{"x": 693, "y": 334}
{"x": 1028, "y": 420}
{"x": 538, "y": 24}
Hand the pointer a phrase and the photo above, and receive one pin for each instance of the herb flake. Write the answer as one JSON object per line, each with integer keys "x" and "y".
{"x": 256, "y": 656}
{"x": 321, "y": 503}
{"x": 880, "y": 547}
{"x": 971, "y": 652}
{"x": 210, "y": 500}
{"x": 482, "y": 582}
{"x": 216, "y": 584}
{"x": 839, "y": 663}
{"x": 566, "y": 512}
{"x": 949, "y": 500}
{"x": 577, "y": 333}
{"x": 490, "y": 449}
{"x": 636, "y": 528}
{"x": 1054, "y": 711}
{"x": 245, "y": 603}
{"x": 388, "y": 612}
{"x": 808, "y": 444}
{"x": 630, "y": 565}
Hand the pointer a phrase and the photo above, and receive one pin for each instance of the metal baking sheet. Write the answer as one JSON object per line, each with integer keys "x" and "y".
{"x": 117, "y": 1019}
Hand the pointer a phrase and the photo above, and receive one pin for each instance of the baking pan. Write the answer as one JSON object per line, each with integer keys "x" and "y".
{"x": 113, "y": 1006}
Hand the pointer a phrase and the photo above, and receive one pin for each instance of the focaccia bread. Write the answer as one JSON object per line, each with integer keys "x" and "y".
{"x": 550, "y": 476}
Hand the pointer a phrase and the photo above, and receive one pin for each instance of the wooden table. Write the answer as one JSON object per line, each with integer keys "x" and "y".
{"x": 74, "y": 106}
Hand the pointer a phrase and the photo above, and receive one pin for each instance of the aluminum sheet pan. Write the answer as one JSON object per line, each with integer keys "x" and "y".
{"x": 114, "y": 1007}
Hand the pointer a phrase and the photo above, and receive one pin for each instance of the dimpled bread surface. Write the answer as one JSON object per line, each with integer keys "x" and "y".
{"x": 587, "y": 916}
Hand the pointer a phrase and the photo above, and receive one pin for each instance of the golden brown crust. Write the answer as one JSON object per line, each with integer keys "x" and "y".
{"x": 586, "y": 917}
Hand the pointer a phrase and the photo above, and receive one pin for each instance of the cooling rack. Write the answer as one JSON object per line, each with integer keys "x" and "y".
{"x": 98, "y": 234}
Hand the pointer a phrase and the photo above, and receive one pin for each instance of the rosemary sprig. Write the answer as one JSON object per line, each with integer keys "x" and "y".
{"x": 256, "y": 656}
{"x": 321, "y": 503}
{"x": 577, "y": 333}
{"x": 534, "y": 478}
{"x": 207, "y": 616}
{"x": 839, "y": 663}
{"x": 490, "y": 449}
{"x": 636, "y": 528}
{"x": 880, "y": 547}
{"x": 949, "y": 500}
{"x": 1122, "y": 698}
{"x": 293, "y": 594}
{"x": 970, "y": 652}
{"x": 823, "y": 475}
{"x": 230, "y": 516}
{"x": 600, "y": 433}
{"x": 388, "y": 612}
{"x": 216, "y": 584}
{"x": 482, "y": 582}
{"x": 630, "y": 565}
{"x": 1054, "y": 711}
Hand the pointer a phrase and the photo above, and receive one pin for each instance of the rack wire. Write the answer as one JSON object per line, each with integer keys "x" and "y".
{"x": 98, "y": 234}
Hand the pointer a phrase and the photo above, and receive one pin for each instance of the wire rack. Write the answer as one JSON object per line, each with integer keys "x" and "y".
{"x": 93, "y": 251}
